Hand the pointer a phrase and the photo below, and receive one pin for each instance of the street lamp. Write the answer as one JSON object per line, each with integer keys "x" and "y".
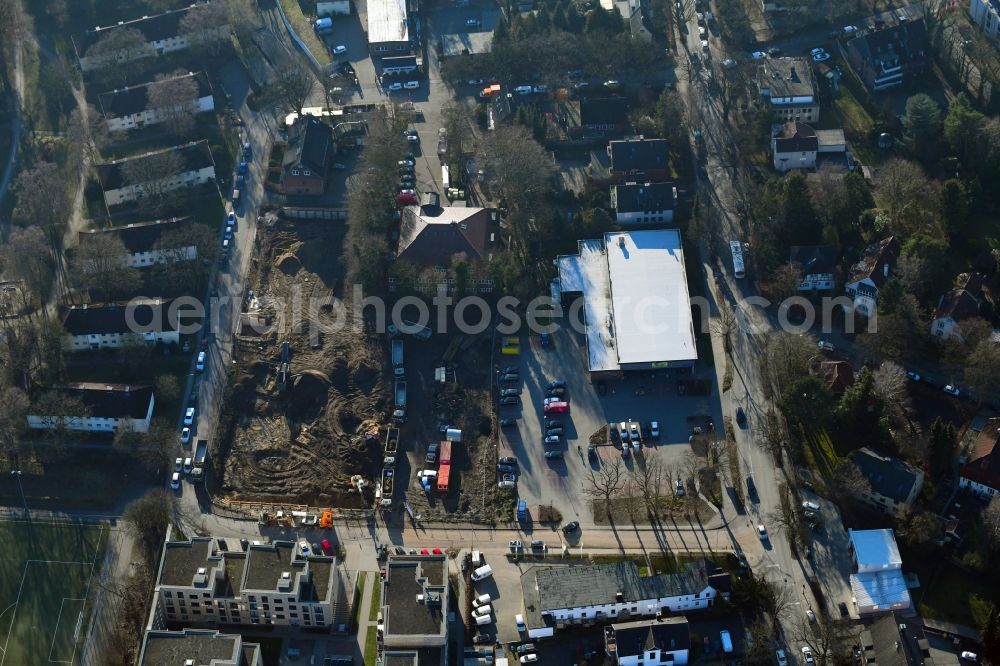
{"x": 16, "y": 473}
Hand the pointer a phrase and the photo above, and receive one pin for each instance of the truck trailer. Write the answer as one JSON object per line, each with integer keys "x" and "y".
{"x": 200, "y": 455}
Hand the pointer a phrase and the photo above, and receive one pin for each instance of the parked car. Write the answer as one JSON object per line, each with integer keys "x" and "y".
{"x": 551, "y": 424}
{"x": 175, "y": 481}
{"x": 432, "y": 452}
{"x": 511, "y": 400}
{"x": 951, "y": 389}
{"x": 807, "y": 655}
{"x": 507, "y": 392}
{"x": 178, "y": 463}
{"x": 199, "y": 364}
{"x": 526, "y": 648}
{"x": 779, "y": 656}
{"x": 679, "y": 489}
{"x": 913, "y": 375}
{"x": 507, "y": 460}
{"x": 510, "y": 377}
{"x": 409, "y": 191}
{"x": 189, "y": 416}
{"x": 850, "y": 29}
{"x": 842, "y": 607}
{"x": 741, "y": 417}
{"x": 821, "y": 57}
{"x": 555, "y": 392}
{"x": 633, "y": 430}
{"x": 508, "y": 423}
{"x": 482, "y": 639}
{"x": 508, "y": 369}
{"x": 472, "y": 23}
{"x": 552, "y": 439}
{"x": 339, "y": 49}
{"x": 557, "y": 408}
{"x": 528, "y": 659}
{"x": 506, "y": 484}
{"x": 758, "y": 55}
{"x": 825, "y": 345}
{"x": 810, "y": 615}
{"x": 552, "y": 455}
{"x": 762, "y": 532}
{"x": 509, "y": 478}
{"x": 516, "y": 545}
{"x": 554, "y": 431}
{"x": 411, "y": 85}
{"x": 623, "y": 431}
{"x": 187, "y": 466}
{"x": 570, "y": 527}
{"x": 506, "y": 469}
{"x": 551, "y": 400}
{"x": 185, "y": 435}
{"x": 406, "y": 163}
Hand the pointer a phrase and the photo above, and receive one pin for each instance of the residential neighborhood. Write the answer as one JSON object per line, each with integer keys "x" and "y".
{"x": 556, "y": 331}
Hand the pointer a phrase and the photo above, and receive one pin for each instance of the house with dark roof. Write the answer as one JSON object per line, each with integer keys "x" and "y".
{"x": 128, "y": 108}
{"x": 558, "y": 597}
{"x": 414, "y": 618}
{"x": 794, "y": 146}
{"x": 262, "y": 585}
{"x": 161, "y": 647}
{"x": 307, "y": 157}
{"x": 106, "y": 408}
{"x": 602, "y": 116}
{"x": 434, "y": 235}
{"x": 867, "y": 277}
{"x": 197, "y": 168}
{"x": 665, "y": 640}
{"x": 897, "y": 639}
{"x": 981, "y": 471}
{"x": 147, "y": 242}
{"x": 818, "y": 264}
{"x": 890, "y": 53}
{"x": 639, "y": 160}
{"x": 961, "y": 303}
{"x": 839, "y": 375}
{"x": 644, "y": 203}
{"x": 112, "y": 325}
{"x": 789, "y": 88}
{"x": 162, "y": 32}
{"x": 892, "y": 483}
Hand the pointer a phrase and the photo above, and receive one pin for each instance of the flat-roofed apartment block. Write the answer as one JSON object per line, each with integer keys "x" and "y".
{"x": 269, "y": 584}
{"x": 197, "y": 647}
{"x": 789, "y": 87}
{"x": 414, "y": 627}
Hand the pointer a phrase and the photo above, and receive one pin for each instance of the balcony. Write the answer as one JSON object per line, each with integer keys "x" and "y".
{"x": 610, "y": 643}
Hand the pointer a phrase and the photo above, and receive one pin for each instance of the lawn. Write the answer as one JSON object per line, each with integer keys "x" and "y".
{"x": 45, "y": 601}
{"x": 303, "y": 26}
{"x": 820, "y": 454}
{"x": 952, "y": 594}
{"x": 376, "y": 600}
{"x": 91, "y": 479}
{"x": 359, "y": 595}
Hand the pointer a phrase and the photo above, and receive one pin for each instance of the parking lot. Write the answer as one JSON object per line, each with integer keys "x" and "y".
{"x": 641, "y": 398}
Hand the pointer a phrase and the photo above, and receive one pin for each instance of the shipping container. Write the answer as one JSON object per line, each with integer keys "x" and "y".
{"x": 444, "y": 453}
{"x": 444, "y": 475}
{"x": 510, "y": 351}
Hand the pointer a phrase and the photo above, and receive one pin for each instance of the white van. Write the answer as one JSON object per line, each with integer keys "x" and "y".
{"x": 477, "y": 558}
{"x": 482, "y": 572}
{"x": 483, "y": 620}
{"x": 483, "y": 599}
{"x": 482, "y": 611}
{"x": 809, "y": 505}
{"x": 727, "y": 642}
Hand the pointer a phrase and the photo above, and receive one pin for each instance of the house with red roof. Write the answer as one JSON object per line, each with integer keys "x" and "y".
{"x": 958, "y": 305}
{"x": 981, "y": 471}
{"x": 869, "y": 275}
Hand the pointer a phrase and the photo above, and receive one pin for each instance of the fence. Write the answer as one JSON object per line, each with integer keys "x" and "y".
{"x": 333, "y": 214}
{"x": 317, "y": 67}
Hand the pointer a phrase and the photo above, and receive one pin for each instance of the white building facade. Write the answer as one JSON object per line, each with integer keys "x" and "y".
{"x": 986, "y": 15}
{"x": 109, "y": 408}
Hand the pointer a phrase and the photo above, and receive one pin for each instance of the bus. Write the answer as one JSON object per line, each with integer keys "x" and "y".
{"x": 737, "y": 249}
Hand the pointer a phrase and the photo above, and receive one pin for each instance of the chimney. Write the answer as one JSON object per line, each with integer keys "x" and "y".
{"x": 619, "y": 597}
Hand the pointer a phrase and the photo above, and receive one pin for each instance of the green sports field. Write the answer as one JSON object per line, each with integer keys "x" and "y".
{"x": 45, "y": 575}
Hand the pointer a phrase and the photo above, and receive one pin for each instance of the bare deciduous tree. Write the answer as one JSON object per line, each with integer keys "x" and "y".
{"x": 61, "y": 411}
{"x": 120, "y": 52}
{"x": 515, "y": 165}
{"x": 292, "y": 86}
{"x": 27, "y": 257}
{"x": 88, "y": 133}
{"x": 101, "y": 264}
{"x": 890, "y": 384}
{"x": 646, "y": 478}
{"x": 206, "y": 26}
{"x": 174, "y": 98}
{"x": 905, "y": 195}
{"x": 786, "y": 357}
{"x": 606, "y": 483}
{"x": 154, "y": 174}
{"x": 43, "y": 199}
{"x": 725, "y": 323}
{"x": 13, "y": 407}
{"x": 991, "y": 524}
{"x": 147, "y": 519}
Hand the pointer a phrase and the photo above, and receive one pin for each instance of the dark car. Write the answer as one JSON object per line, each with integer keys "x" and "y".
{"x": 571, "y": 527}
{"x": 553, "y": 455}
{"x": 508, "y": 369}
{"x": 752, "y": 490}
{"x": 555, "y": 393}
{"x": 510, "y": 400}
{"x": 508, "y": 423}
{"x": 741, "y": 417}
{"x": 506, "y": 469}
{"x": 432, "y": 452}
{"x": 602, "y": 388}
{"x": 507, "y": 460}
{"x": 554, "y": 431}
{"x": 843, "y": 609}
{"x": 510, "y": 377}
{"x": 556, "y": 384}
{"x": 482, "y": 639}
{"x": 551, "y": 424}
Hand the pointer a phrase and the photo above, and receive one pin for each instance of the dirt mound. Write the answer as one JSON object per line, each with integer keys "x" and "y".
{"x": 366, "y": 377}
{"x": 308, "y": 395}
{"x": 288, "y": 263}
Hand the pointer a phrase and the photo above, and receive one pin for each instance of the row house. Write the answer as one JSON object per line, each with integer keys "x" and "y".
{"x": 129, "y": 108}
{"x": 149, "y": 243}
{"x": 197, "y": 168}
{"x": 106, "y": 408}
{"x": 112, "y": 325}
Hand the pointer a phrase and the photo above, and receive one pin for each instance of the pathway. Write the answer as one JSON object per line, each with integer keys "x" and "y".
{"x": 16, "y": 124}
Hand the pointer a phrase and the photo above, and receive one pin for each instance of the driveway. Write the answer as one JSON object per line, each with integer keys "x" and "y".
{"x": 642, "y": 398}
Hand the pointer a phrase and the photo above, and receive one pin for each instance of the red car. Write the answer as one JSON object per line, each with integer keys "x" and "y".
{"x": 406, "y": 199}
{"x": 557, "y": 408}
{"x": 327, "y": 548}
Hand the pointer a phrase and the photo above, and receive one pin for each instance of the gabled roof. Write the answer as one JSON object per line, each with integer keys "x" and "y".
{"x": 110, "y": 400}
{"x": 888, "y": 476}
{"x": 814, "y": 259}
{"x": 839, "y": 375}
{"x": 963, "y": 301}
{"x": 667, "y": 634}
{"x": 896, "y": 640}
{"x": 150, "y": 314}
{"x": 195, "y": 155}
{"x": 603, "y": 111}
{"x": 153, "y": 28}
{"x": 638, "y": 155}
{"x": 636, "y": 198}
{"x": 983, "y": 464}
{"x": 433, "y": 235}
{"x": 878, "y": 262}
{"x": 308, "y": 145}
{"x": 795, "y": 137}
{"x": 141, "y": 236}
{"x": 906, "y": 41}
{"x": 127, "y": 101}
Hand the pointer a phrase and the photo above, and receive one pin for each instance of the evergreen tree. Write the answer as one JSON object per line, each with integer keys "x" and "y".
{"x": 501, "y": 32}
{"x": 942, "y": 447}
{"x": 860, "y": 414}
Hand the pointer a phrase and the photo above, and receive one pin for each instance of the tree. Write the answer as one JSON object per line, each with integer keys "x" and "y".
{"x": 147, "y": 518}
{"x": 807, "y": 401}
{"x": 515, "y": 165}
{"x": 899, "y": 331}
{"x": 943, "y": 441}
{"x": 991, "y": 636}
{"x": 905, "y": 195}
{"x": 154, "y": 174}
{"x": 923, "y": 267}
{"x": 13, "y": 408}
{"x": 174, "y": 97}
{"x": 850, "y": 481}
{"x": 88, "y": 133}
{"x": 177, "y": 272}
{"x": 990, "y": 519}
{"x": 982, "y": 371}
{"x": 206, "y": 26}
{"x": 786, "y": 357}
{"x": 859, "y": 414}
{"x": 43, "y": 199}
{"x": 606, "y": 483}
{"x": 799, "y": 216}
{"x": 101, "y": 264}
{"x": 152, "y": 449}
{"x": 62, "y": 411}
{"x": 890, "y": 383}
{"x": 27, "y": 257}
{"x": 647, "y": 479}
{"x": 827, "y": 638}
{"x": 922, "y": 119}
{"x": 292, "y": 86}
{"x": 916, "y": 527}
{"x": 954, "y": 206}
{"x": 963, "y": 127}
{"x": 120, "y": 52}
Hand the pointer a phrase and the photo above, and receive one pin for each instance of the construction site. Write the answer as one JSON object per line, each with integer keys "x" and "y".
{"x": 309, "y": 411}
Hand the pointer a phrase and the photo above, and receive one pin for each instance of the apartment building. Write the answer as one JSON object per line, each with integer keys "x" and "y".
{"x": 644, "y": 203}
{"x": 268, "y": 584}
{"x": 112, "y": 325}
{"x": 196, "y": 168}
{"x": 788, "y": 87}
{"x": 197, "y": 647}
{"x": 129, "y": 108}
{"x": 986, "y": 15}
{"x": 149, "y": 243}
{"x": 106, "y": 408}
{"x": 415, "y": 610}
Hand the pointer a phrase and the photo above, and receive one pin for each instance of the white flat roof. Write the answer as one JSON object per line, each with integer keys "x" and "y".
{"x": 587, "y": 273}
{"x": 387, "y": 21}
{"x": 649, "y": 297}
{"x": 884, "y": 590}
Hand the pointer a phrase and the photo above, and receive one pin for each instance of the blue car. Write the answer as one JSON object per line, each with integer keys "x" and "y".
{"x": 240, "y": 182}
{"x": 229, "y": 233}
{"x": 242, "y": 168}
